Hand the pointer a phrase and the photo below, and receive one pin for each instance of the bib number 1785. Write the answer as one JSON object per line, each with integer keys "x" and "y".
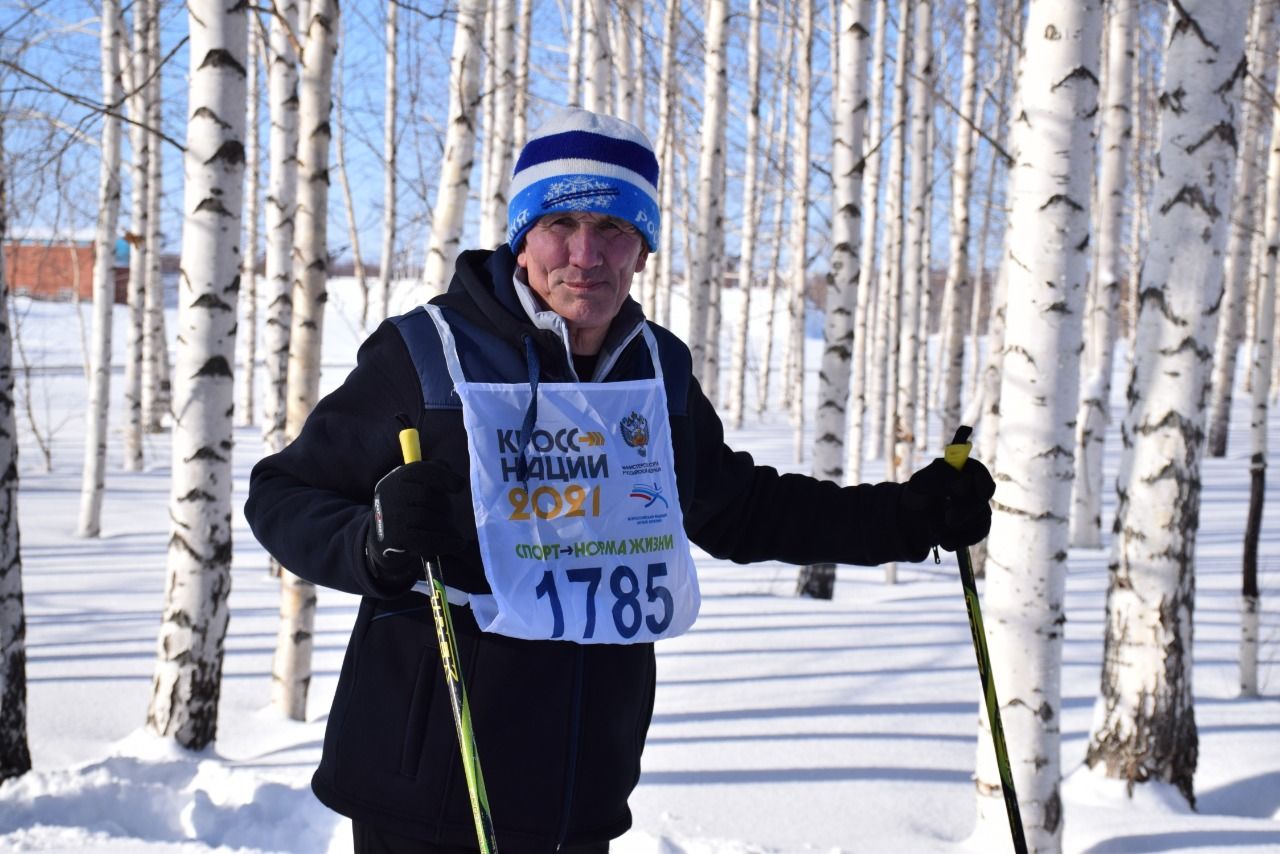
{"x": 628, "y": 612}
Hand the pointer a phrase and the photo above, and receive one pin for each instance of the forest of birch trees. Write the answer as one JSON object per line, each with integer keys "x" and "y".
{"x": 990, "y": 207}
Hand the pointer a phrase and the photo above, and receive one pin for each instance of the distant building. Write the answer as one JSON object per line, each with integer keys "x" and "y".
{"x": 63, "y": 269}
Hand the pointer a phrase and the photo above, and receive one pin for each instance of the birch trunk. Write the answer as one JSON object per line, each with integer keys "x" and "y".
{"x": 246, "y": 388}
{"x": 818, "y": 580}
{"x": 291, "y": 667}
{"x": 1264, "y": 331}
{"x": 868, "y": 257}
{"x": 710, "y": 227}
{"x": 281, "y": 211}
{"x": 389, "y": 134}
{"x": 1026, "y": 553}
{"x": 156, "y": 391}
{"x": 598, "y": 70}
{"x": 958, "y": 291}
{"x": 1144, "y": 722}
{"x": 799, "y": 236}
{"x": 577, "y": 22}
{"x": 1093, "y": 414}
{"x": 913, "y": 262}
{"x": 137, "y": 71}
{"x": 188, "y": 675}
{"x": 104, "y": 285}
{"x": 494, "y": 200}
{"x": 15, "y": 753}
{"x": 666, "y": 158}
{"x": 1257, "y": 93}
{"x": 449, "y": 214}
{"x": 520, "y": 105}
{"x": 779, "y": 153}
{"x": 750, "y": 222}
{"x": 348, "y": 203}
{"x": 625, "y": 104}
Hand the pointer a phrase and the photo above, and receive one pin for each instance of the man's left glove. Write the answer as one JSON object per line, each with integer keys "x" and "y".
{"x": 949, "y": 508}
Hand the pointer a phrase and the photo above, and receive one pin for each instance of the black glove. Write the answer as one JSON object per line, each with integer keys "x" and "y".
{"x": 411, "y": 520}
{"x": 950, "y": 508}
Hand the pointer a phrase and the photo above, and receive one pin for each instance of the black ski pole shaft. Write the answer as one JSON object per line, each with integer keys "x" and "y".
{"x": 955, "y": 454}
{"x": 450, "y": 665}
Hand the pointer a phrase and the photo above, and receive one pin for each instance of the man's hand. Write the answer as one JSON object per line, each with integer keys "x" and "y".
{"x": 411, "y": 520}
{"x": 947, "y": 507}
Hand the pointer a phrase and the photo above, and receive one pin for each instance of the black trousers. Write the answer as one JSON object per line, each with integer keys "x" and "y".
{"x": 371, "y": 840}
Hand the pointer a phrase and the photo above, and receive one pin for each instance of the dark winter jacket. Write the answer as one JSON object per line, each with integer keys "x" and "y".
{"x": 559, "y": 726}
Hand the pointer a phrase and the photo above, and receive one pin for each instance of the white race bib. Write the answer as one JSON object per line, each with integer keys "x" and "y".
{"x": 590, "y": 546}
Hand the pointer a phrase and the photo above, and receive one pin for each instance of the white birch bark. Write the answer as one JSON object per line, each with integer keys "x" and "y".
{"x": 597, "y": 68}
{"x": 188, "y": 674}
{"x": 1264, "y": 331}
{"x": 750, "y": 222}
{"x": 577, "y": 24}
{"x": 246, "y": 388}
{"x": 913, "y": 262}
{"x": 958, "y": 291}
{"x": 520, "y": 104}
{"x": 628, "y": 72}
{"x": 818, "y": 580}
{"x": 279, "y": 220}
{"x": 883, "y": 384}
{"x": 1100, "y": 322}
{"x": 709, "y": 244}
{"x": 1026, "y": 552}
{"x": 870, "y": 209}
{"x": 15, "y": 752}
{"x": 798, "y": 238}
{"x": 1257, "y": 93}
{"x": 291, "y": 666}
{"x": 660, "y": 286}
{"x": 137, "y": 68}
{"x": 498, "y": 135}
{"x": 449, "y": 214}
{"x": 348, "y": 203}
{"x": 1144, "y": 721}
{"x": 389, "y": 134}
{"x": 156, "y": 390}
{"x": 104, "y": 284}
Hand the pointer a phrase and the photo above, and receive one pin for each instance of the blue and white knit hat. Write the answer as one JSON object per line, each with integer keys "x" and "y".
{"x": 585, "y": 161}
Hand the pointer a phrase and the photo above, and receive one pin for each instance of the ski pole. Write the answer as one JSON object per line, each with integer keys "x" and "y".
{"x": 411, "y": 449}
{"x": 955, "y": 454}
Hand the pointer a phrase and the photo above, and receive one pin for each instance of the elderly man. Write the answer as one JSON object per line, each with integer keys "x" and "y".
{"x": 569, "y": 460}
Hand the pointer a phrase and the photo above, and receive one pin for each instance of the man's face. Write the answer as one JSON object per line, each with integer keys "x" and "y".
{"x": 581, "y": 265}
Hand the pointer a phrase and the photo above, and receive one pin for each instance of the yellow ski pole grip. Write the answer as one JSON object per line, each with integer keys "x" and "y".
{"x": 410, "y": 446}
{"x": 958, "y": 451}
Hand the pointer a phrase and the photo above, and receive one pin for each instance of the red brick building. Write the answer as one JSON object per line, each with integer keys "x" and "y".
{"x": 44, "y": 270}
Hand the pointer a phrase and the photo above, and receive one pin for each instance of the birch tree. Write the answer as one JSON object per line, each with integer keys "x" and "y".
{"x": 156, "y": 385}
{"x": 291, "y": 667}
{"x": 279, "y": 215}
{"x": 1258, "y": 88}
{"x": 710, "y": 224}
{"x": 750, "y": 220}
{"x": 389, "y": 136}
{"x": 188, "y": 674}
{"x": 1093, "y": 414}
{"x": 15, "y": 754}
{"x": 598, "y": 66}
{"x": 246, "y": 389}
{"x": 667, "y": 108}
{"x": 1264, "y": 330}
{"x": 818, "y": 580}
{"x": 448, "y": 215}
{"x": 520, "y": 102}
{"x": 798, "y": 238}
{"x": 958, "y": 291}
{"x": 1144, "y": 726}
{"x": 914, "y": 266}
{"x": 104, "y": 285}
{"x": 870, "y": 211}
{"x": 1045, "y": 270}
{"x": 137, "y": 70}
{"x": 499, "y": 143}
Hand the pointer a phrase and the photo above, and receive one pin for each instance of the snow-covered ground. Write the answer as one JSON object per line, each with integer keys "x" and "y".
{"x": 782, "y": 724}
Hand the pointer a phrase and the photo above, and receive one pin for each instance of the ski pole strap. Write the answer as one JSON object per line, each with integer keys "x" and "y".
{"x": 450, "y": 665}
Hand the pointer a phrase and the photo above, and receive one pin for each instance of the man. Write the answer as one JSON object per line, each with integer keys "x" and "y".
{"x": 569, "y": 459}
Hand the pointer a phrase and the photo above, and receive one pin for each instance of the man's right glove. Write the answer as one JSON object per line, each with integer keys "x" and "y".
{"x": 411, "y": 520}
{"x": 946, "y": 507}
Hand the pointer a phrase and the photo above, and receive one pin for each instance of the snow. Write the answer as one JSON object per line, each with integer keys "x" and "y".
{"x": 781, "y": 724}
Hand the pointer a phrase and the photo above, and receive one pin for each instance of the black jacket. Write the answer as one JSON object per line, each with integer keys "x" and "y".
{"x": 559, "y": 726}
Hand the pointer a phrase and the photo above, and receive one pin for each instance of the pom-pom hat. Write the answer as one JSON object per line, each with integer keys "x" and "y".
{"x": 585, "y": 161}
